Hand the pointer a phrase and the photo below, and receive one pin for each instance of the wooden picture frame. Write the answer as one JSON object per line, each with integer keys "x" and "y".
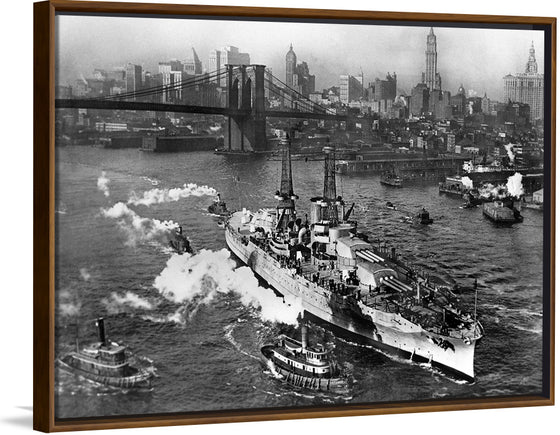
{"x": 44, "y": 214}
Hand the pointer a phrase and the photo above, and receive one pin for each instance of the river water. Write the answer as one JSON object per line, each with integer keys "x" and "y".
{"x": 205, "y": 343}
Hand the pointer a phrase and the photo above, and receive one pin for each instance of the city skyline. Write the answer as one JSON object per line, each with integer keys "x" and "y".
{"x": 86, "y": 43}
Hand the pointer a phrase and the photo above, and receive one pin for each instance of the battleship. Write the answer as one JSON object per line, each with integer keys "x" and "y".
{"x": 358, "y": 290}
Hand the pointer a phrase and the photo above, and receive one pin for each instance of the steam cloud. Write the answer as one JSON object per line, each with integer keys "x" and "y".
{"x": 116, "y": 301}
{"x": 103, "y": 183}
{"x": 510, "y": 153}
{"x": 84, "y": 273}
{"x": 194, "y": 280}
{"x": 467, "y": 182}
{"x": 137, "y": 228}
{"x": 69, "y": 304}
{"x": 514, "y": 185}
{"x": 158, "y": 196}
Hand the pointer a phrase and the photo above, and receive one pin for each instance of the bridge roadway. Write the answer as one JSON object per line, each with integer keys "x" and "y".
{"x": 76, "y": 103}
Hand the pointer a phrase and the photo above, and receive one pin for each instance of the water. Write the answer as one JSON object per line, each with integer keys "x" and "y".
{"x": 207, "y": 354}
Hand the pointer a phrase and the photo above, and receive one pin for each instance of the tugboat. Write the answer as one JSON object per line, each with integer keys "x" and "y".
{"x": 304, "y": 366}
{"x": 219, "y": 207}
{"x": 503, "y": 212}
{"x": 352, "y": 286}
{"x": 423, "y": 218}
{"x": 391, "y": 179}
{"x": 106, "y": 363}
{"x": 179, "y": 242}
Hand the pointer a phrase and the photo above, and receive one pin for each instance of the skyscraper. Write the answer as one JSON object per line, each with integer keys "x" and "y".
{"x": 297, "y": 75}
{"x": 133, "y": 77}
{"x": 291, "y": 62}
{"x": 431, "y": 77}
{"x": 192, "y": 65}
{"x": 527, "y": 87}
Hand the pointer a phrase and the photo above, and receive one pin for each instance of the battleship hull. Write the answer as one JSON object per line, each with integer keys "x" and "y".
{"x": 389, "y": 332}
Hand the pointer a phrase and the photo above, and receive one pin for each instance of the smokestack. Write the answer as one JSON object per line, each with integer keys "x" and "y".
{"x": 303, "y": 337}
{"x": 101, "y": 331}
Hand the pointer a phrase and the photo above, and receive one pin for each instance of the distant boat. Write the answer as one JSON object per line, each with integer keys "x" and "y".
{"x": 391, "y": 179}
{"x": 300, "y": 365}
{"x": 107, "y": 363}
{"x": 503, "y": 212}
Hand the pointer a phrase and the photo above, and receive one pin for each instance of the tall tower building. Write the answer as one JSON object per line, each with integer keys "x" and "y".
{"x": 431, "y": 77}
{"x": 527, "y": 87}
{"x": 291, "y": 63}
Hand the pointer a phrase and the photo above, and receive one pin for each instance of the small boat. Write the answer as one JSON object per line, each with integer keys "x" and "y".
{"x": 179, "y": 242}
{"x": 106, "y": 363}
{"x": 390, "y": 205}
{"x": 391, "y": 179}
{"x": 218, "y": 207}
{"x": 423, "y": 218}
{"x": 503, "y": 212}
{"x": 297, "y": 364}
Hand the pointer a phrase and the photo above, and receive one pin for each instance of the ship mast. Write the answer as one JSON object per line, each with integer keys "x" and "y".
{"x": 330, "y": 200}
{"x": 286, "y": 209}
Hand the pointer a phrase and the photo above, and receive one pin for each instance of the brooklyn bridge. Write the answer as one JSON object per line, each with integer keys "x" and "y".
{"x": 249, "y": 89}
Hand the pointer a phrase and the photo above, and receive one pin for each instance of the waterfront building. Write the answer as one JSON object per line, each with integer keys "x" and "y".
{"x": 351, "y": 88}
{"x": 431, "y": 77}
{"x": 527, "y": 87}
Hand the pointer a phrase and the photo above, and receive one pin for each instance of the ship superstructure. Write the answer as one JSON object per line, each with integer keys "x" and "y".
{"x": 345, "y": 282}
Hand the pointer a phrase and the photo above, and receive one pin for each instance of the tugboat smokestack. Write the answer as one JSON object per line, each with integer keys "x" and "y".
{"x": 101, "y": 331}
{"x": 303, "y": 337}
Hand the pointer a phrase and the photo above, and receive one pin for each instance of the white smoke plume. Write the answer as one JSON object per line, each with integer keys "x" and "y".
{"x": 69, "y": 304}
{"x": 103, "y": 183}
{"x": 510, "y": 153}
{"x": 132, "y": 300}
{"x": 84, "y": 273}
{"x": 490, "y": 191}
{"x": 467, "y": 182}
{"x": 515, "y": 186}
{"x": 194, "y": 280}
{"x": 137, "y": 228}
{"x": 158, "y": 196}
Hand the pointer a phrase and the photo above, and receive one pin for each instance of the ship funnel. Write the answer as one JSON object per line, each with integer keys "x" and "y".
{"x": 101, "y": 331}
{"x": 303, "y": 337}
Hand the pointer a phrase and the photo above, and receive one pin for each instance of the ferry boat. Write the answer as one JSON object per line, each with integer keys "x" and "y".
{"x": 391, "y": 179}
{"x": 107, "y": 363}
{"x": 298, "y": 364}
{"x": 503, "y": 212}
{"x": 354, "y": 288}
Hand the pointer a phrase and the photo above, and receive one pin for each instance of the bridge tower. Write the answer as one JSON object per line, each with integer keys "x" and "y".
{"x": 245, "y": 91}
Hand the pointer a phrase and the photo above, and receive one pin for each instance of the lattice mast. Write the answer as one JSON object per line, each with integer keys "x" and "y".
{"x": 329, "y": 188}
{"x": 286, "y": 209}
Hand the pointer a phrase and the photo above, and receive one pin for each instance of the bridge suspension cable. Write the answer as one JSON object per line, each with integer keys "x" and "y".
{"x": 160, "y": 89}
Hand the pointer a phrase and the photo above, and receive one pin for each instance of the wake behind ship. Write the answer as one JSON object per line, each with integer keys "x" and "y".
{"x": 344, "y": 281}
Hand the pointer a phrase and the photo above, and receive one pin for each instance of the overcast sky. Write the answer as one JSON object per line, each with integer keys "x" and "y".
{"x": 476, "y": 58}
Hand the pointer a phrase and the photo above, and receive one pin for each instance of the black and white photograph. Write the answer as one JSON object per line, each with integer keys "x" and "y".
{"x": 265, "y": 214}
{"x": 257, "y": 216}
